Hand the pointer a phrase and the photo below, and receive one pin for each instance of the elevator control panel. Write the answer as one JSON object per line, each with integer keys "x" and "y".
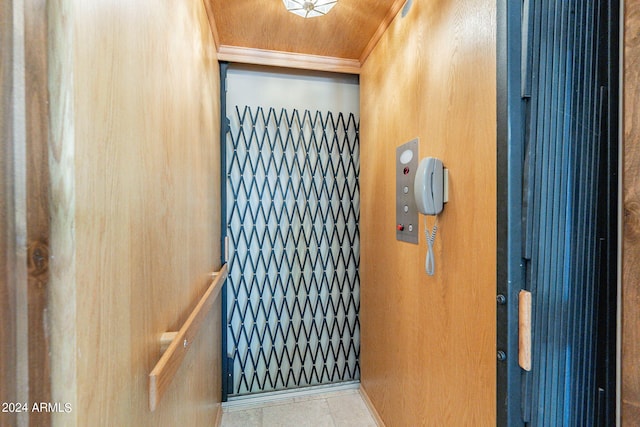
{"x": 406, "y": 210}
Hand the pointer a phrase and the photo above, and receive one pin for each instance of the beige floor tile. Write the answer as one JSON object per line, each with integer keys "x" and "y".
{"x": 243, "y": 418}
{"x": 310, "y": 413}
{"x": 343, "y": 408}
{"x": 350, "y": 410}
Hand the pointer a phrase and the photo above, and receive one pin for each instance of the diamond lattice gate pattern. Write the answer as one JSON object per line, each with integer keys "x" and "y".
{"x": 292, "y": 210}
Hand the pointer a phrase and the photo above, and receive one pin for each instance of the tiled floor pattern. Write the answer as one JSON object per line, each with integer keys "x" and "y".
{"x": 343, "y": 408}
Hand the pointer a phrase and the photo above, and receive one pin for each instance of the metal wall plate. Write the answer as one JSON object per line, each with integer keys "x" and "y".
{"x": 406, "y": 211}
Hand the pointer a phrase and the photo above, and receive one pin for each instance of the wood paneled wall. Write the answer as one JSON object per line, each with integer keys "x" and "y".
{"x": 630, "y": 398}
{"x": 428, "y": 349}
{"x": 135, "y": 226}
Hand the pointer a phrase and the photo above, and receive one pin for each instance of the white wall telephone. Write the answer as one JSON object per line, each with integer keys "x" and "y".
{"x": 430, "y": 191}
{"x": 429, "y": 186}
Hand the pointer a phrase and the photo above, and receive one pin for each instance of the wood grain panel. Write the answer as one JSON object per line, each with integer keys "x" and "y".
{"x": 37, "y": 251}
{"x": 135, "y": 178}
{"x": 631, "y": 222}
{"x": 630, "y": 414}
{"x": 24, "y": 208}
{"x": 8, "y": 385}
{"x": 63, "y": 325}
{"x": 428, "y": 343}
{"x": 265, "y": 24}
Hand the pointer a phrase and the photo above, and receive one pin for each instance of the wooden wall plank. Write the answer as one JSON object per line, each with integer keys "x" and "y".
{"x": 63, "y": 324}
{"x": 135, "y": 179}
{"x": 428, "y": 350}
{"x": 24, "y": 210}
{"x": 37, "y": 125}
{"x": 630, "y": 374}
{"x": 8, "y": 386}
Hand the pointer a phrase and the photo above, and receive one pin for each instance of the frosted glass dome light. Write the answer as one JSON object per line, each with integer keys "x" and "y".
{"x": 309, "y": 8}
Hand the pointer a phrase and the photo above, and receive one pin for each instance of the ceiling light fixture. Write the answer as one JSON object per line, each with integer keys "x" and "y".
{"x": 309, "y": 8}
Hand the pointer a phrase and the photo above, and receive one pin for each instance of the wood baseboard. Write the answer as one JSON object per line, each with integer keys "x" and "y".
{"x": 372, "y": 408}
{"x": 218, "y": 421}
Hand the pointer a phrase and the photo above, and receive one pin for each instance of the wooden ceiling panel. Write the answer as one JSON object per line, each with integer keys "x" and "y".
{"x": 345, "y": 32}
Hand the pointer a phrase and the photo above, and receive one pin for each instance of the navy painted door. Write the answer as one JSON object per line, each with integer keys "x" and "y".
{"x": 563, "y": 156}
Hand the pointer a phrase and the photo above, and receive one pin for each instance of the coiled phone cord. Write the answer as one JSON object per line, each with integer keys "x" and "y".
{"x": 430, "y": 263}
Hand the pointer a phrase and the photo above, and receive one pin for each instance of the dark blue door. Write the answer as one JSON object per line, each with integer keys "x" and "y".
{"x": 562, "y": 154}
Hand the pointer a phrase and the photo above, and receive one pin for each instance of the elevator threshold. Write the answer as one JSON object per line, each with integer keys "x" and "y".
{"x": 258, "y": 399}
{"x": 334, "y": 405}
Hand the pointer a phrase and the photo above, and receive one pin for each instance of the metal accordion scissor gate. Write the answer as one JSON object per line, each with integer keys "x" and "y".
{"x": 292, "y": 211}
{"x": 561, "y": 214}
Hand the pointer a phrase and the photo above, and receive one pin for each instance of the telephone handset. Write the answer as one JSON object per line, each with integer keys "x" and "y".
{"x": 429, "y": 186}
{"x": 429, "y": 190}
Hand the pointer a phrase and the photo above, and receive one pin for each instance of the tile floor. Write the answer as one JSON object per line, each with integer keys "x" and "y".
{"x": 344, "y": 408}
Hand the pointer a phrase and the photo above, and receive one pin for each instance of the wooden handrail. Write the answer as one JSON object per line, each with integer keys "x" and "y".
{"x": 524, "y": 330}
{"x": 164, "y": 371}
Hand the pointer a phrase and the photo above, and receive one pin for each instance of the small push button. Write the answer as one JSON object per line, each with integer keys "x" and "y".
{"x": 400, "y": 227}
